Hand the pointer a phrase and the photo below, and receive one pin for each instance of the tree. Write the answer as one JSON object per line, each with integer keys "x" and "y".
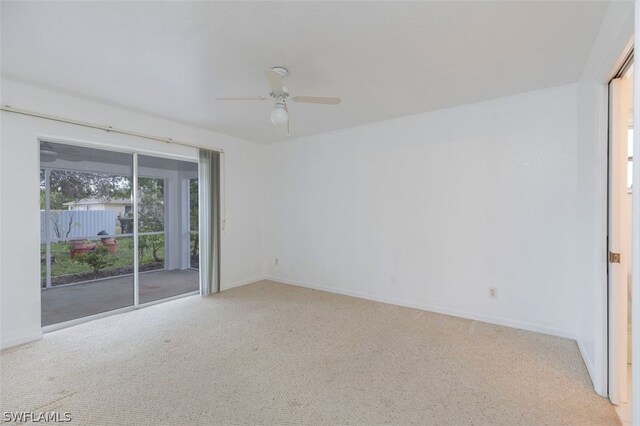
{"x": 193, "y": 218}
{"x": 151, "y": 204}
{"x": 61, "y": 229}
{"x": 72, "y": 185}
{"x": 151, "y": 215}
{"x": 156, "y": 242}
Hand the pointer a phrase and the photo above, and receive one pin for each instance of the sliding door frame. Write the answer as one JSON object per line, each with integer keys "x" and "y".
{"x": 136, "y": 233}
{"x": 135, "y": 175}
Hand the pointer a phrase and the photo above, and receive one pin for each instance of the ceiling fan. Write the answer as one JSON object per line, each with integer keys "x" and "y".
{"x": 49, "y": 154}
{"x": 279, "y": 93}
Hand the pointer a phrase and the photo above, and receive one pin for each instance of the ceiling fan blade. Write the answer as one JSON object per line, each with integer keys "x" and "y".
{"x": 275, "y": 80}
{"x": 316, "y": 100}
{"x": 288, "y": 120}
{"x": 72, "y": 156}
{"x": 259, "y": 98}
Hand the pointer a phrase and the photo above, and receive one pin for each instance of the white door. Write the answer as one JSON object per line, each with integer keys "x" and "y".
{"x": 619, "y": 235}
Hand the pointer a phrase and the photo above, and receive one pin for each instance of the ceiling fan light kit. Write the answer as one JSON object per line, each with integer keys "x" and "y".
{"x": 279, "y": 93}
{"x": 279, "y": 115}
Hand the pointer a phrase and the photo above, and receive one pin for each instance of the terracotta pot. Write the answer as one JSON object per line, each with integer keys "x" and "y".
{"x": 111, "y": 245}
{"x": 77, "y": 243}
{"x": 80, "y": 247}
{"x": 80, "y": 250}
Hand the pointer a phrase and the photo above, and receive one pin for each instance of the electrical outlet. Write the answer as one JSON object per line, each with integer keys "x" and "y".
{"x": 493, "y": 292}
{"x": 275, "y": 261}
{"x": 393, "y": 279}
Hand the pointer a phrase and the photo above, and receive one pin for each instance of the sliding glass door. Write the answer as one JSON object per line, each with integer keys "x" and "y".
{"x": 97, "y": 248}
{"x": 164, "y": 233}
{"x": 87, "y": 258}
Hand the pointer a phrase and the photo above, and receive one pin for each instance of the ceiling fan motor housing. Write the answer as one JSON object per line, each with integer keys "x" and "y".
{"x": 281, "y": 70}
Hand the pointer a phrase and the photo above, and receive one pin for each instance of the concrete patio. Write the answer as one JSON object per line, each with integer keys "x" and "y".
{"x": 69, "y": 302}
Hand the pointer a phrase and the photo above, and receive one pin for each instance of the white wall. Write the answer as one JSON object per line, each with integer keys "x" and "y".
{"x": 447, "y": 204}
{"x": 615, "y": 35}
{"x": 242, "y": 258}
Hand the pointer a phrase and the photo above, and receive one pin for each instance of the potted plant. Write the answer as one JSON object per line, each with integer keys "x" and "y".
{"x": 80, "y": 247}
{"x": 110, "y": 243}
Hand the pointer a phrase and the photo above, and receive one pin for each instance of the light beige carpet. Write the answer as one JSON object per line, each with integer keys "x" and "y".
{"x": 274, "y": 354}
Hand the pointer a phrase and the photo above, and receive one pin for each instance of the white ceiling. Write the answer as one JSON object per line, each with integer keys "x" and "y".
{"x": 384, "y": 59}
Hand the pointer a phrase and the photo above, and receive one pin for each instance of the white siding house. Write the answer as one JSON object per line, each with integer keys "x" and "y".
{"x": 120, "y": 206}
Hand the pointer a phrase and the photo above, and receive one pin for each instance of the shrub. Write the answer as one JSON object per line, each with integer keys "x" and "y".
{"x": 98, "y": 258}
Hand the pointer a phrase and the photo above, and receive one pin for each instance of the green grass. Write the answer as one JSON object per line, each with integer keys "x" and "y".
{"x": 64, "y": 265}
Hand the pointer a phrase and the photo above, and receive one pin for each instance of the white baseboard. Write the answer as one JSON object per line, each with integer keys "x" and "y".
{"x": 438, "y": 309}
{"x": 587, "y": 362}
{"x": 10, "y": 343}
{"x": 241, "y": 283}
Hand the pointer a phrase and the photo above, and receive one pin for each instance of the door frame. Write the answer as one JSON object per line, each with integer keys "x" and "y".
{"x": 617, "y": 328}
{"x": 134, "y": 153}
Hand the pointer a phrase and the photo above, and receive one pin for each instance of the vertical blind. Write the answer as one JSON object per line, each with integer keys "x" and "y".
{"x": 209, "y": 223}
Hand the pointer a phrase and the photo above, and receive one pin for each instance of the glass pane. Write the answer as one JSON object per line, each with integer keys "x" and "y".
{"x": 166, "y": 235}
{"x": 88, "y": 279}
{"x": 194, "y": 241}
{"x": 151, "y": 204}
{"x": 87, "y": 261}
{"x": 42, "y": 190}
{"x": 151, "y": 252}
